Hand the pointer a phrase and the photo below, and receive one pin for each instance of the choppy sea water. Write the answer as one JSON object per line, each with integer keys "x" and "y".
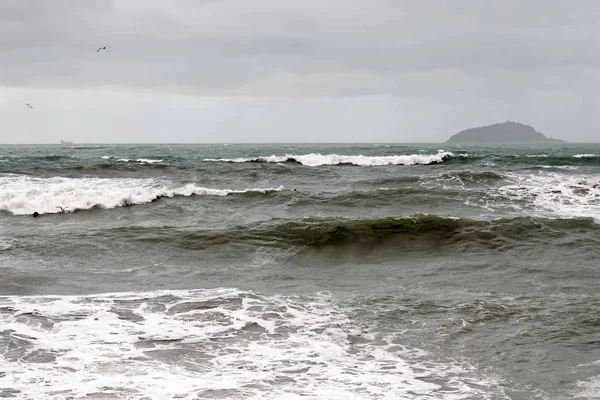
{"x": 372, "y": 271}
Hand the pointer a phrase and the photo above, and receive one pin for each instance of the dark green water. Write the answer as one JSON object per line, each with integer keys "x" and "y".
{"x": 300, "y": 271}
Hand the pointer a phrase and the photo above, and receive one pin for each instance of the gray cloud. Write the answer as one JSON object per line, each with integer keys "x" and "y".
{"x": 501, "y": 59}
{"x": 234, "y": 44}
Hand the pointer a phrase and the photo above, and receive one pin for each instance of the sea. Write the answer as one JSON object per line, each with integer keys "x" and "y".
{"x": 300, "y": 271}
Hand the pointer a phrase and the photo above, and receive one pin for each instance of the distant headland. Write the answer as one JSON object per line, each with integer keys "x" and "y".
{"x": 505, "y": 132}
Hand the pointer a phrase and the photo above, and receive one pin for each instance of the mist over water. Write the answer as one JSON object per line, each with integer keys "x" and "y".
{"x": 300, "y": 271}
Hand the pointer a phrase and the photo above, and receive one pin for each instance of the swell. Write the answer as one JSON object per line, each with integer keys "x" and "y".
{"x": 415, "y": 196}
{"x": 464, "y": 175}
{"x": 555, "y": 160}
{"x": 20, "y": 159}
{"x": 482, "y": 177}
{"x": 64, "y": 164}
{"x": 530, "y": 160}
{"x": 406, "y": 234}
{"x": 439, "y": 189}
{"x": 77, "y": 167}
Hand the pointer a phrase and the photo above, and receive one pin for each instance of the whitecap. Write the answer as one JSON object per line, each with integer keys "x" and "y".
{"x": 22, "y": 195}
{"x": 317, "y": 159}
{"x": 549, "y": 195}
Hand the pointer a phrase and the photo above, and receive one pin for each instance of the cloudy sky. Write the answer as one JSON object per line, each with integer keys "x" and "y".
{"x": 295, "y": 70}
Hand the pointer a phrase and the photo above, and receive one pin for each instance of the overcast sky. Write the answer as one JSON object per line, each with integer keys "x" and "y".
{"x": 295, "y": 70}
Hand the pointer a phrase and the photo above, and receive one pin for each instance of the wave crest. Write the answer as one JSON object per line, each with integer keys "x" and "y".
{"x": 405, "y": 234}
{"x": 317, "y": 159}
{"x": 22, "y": 195}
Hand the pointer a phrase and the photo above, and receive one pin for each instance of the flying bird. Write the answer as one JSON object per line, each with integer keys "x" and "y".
{"x": 28, "y": 105}
{"x": 103, "y": 48}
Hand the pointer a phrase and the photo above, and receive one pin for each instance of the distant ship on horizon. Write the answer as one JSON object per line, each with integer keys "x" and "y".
{"x": 66, "y": 143}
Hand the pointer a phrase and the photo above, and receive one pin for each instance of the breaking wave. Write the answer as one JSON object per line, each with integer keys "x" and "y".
{"x": 141, "y": 160}
{"x": 567, "y": 196}
{"x": 317, "y": 159}
{"x": 23, "y": 195}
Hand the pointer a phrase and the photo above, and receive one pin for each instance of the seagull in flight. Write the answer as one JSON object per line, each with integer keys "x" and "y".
{"x": 28, "y": 105}
{"x": 103, "y": 48}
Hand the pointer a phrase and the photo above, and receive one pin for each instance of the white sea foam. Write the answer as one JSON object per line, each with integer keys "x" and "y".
{"x": 585, "y": 155}
{"x": 549, "y": 195}
{"x": 139, "y": 160}
{"x": 588, "y": 390}
{"x": 6, "y": 243}
{"x": 106, "y": 157}
{"x": 567, "y": 167}
{"x": 219, "y": 343}
{"x": 21, "y": 195}
{"x": 317, "y": 159}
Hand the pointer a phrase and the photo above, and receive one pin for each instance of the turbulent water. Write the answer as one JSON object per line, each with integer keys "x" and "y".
{"x": 300, "y": 271}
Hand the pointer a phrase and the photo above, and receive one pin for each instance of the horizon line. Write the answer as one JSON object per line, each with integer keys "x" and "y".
{"x": 69, "y": 143}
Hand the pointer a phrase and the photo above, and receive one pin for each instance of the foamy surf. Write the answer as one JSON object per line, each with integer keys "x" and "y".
{"x": 218, "y": 343}
{"x": 22, "y": 195}
{"x": 544, "y": 194}
{"x": 317, "y": 159}
{"x": 549, "y": 194}
{"x": 139, "y": 160}
{"x": 588, "y": 389}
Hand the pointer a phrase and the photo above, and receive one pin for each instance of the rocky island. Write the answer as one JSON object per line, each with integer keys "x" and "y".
{"x": 505, "y": 132}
